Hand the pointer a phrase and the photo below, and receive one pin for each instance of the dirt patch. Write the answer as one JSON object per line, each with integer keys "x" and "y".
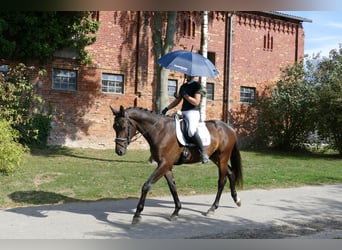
{"x": 48, "y": 177}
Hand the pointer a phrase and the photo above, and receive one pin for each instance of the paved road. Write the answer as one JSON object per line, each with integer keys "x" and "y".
{"x": 310, "y": 211}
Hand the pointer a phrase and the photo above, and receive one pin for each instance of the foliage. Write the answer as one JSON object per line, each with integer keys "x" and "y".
{"x": 286, "y": 111}
{"x": 11, "y": 152}
{"x": 329, "y": 91}
{"x": 22, "y": 106}
{"x": 37, "y": 35}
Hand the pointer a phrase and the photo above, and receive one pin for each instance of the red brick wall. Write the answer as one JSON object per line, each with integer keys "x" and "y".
{"x": 83, "y": 117}
{"x": 253, "y": 65}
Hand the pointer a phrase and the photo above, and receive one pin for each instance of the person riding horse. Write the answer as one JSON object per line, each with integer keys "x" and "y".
{"x": 190, "y": 94}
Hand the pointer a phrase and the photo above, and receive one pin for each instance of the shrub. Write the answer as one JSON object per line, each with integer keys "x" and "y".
{"x": 329, "y": 91}
{"x": 286, "y": 111}
{"x": 11, "y": 152}
{"x": 23, "y": 107}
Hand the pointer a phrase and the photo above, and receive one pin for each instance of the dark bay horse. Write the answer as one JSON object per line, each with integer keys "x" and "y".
{"x": 160, "y": 133}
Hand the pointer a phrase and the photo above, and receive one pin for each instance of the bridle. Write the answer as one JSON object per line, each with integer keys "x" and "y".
{"x": 125, "y": 141}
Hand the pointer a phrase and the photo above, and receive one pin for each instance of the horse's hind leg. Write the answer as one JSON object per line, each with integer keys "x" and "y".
{"x": 221, "y": 183}
{"x": 172, "y": 186}
{"x": 233, "y": 192}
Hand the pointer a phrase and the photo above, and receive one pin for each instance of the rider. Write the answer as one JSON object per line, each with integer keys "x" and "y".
{"x": 190, "y": 94}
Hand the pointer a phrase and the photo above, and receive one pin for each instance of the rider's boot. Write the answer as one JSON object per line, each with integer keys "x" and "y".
{"x": 197, "y": 140}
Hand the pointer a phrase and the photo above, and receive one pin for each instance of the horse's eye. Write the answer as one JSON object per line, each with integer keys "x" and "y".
{"x": 116, "y": 125}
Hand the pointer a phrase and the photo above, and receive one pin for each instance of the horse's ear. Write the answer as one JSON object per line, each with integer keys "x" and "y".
{"x": 114, "y": 111}
{"x": 122, "y": 111}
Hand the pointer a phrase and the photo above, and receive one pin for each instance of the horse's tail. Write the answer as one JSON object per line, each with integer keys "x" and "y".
{"x": 236, "y": 165}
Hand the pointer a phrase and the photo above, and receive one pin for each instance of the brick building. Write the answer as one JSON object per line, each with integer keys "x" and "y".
{"x": 248, "y": 48}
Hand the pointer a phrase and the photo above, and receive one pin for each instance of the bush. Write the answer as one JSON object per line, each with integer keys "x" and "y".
{"x": 23, "y": 107}
{"x": 286, "y": 111}
{"x": 11, "y": 152}
{"x": 329, "y": 91}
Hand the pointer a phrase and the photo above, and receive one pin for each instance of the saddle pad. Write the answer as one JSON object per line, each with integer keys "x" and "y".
{"x": 201, "y": 129}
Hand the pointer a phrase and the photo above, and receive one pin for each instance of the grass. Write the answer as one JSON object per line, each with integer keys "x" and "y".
{"x": 59, "y": 175}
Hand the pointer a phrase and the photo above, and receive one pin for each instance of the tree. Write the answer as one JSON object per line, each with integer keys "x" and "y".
{"x": 204, "y": 52}
{"x": 161, "y": 47}
{"x": 37, "y": 35}
{"x": 329, "y": 91}
{"x": 286, "y": 112}
{"x": 22, "y": 107}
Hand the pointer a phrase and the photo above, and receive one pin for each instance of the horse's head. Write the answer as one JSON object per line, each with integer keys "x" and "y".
{"x": 124, "y": 130}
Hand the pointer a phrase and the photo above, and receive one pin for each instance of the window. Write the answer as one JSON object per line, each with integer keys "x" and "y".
{"x": 189, "y": 27}
{"x": 172, "y": 87}
{"x": 212, "y": 57}
{"x": 247, "y": 95}
{"x": 210, "y": 91}
{"x": 112, "y": 83}
{"x": 4, "y": 69}
{"x": 268, "y": 42}
{"x": 63, "y": 79}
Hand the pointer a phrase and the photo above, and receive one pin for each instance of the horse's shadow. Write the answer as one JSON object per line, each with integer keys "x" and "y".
{"x": 100, "y": 209}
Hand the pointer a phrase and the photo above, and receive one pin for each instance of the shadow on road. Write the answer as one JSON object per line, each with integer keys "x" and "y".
{"x": 281, "y": 217}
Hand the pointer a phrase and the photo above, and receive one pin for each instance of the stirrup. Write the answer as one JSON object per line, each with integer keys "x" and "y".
{"x": 205, "y": 158}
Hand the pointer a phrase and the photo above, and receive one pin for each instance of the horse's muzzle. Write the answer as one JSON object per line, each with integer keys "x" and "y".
{"x": 120, "y": 151}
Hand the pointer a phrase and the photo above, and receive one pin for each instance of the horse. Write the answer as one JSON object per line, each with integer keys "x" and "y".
{"x": 160, "y": 133}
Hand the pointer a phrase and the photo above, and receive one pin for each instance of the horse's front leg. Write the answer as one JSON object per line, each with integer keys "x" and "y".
{"x": 172, "y": 186}
{"x": 155, "y": 176}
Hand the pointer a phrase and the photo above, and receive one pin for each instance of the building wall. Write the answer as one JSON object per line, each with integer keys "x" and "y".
{"x": 124, "y": 46}
{"x": 256, "y": 65}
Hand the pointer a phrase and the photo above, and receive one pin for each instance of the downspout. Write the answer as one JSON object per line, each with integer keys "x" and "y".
{"x": 229, "y": 31}
{"x": 136, "y": 76}
{"x": 296, "y": 44}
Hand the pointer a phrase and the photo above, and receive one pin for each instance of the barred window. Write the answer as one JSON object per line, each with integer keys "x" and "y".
{"x": 247, "y": 94}
{"x": 172, "y": 87}
{"x": 210, "y": 91}
{"x": 64, "y": 79}
{"x": 112, "y": 83}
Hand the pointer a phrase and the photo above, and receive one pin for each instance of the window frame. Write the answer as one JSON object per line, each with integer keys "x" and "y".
{"x": 212, "y": 90}
{"x": 64, "y": 77}
{"x": 175, "y": 87}
{"x": 248, "y": 98}
{"x": 115, "y": 83}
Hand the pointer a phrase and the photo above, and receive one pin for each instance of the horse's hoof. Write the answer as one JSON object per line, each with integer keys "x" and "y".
{"x": 210, "y": 212}
{"x": 136, "y": 220}
{"x": 173, "y": 217}
{"x": 238, "y": 202}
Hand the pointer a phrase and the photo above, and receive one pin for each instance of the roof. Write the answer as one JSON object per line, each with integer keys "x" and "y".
{"x": 288, "y": 16}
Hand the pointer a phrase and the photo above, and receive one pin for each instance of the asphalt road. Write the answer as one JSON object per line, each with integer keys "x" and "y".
{"x": 305, "y": 212}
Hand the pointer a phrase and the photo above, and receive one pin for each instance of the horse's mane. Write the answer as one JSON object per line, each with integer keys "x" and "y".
{"x": 147, "y": 111}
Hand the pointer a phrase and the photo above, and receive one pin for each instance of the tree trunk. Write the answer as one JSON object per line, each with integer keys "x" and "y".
{"x": 204, "y": 52}
{"x": 161, "y": 48}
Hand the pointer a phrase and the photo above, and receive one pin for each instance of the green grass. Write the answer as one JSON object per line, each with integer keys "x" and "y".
{"x": 59, "y": 175}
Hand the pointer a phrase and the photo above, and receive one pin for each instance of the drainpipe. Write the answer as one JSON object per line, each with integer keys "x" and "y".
{"x": 229, "y": 50}
{"x": 136, "y": 76}
{"x": 296, "y": 43}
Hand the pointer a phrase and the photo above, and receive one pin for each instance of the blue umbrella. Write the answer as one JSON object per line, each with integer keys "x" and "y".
{"x": 189, "y": 63}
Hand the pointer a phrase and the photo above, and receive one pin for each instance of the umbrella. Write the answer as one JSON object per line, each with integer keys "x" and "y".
{"x": 189, "y": 63}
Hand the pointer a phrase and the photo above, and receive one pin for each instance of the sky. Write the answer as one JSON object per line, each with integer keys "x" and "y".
{"x": 323, "y": 34}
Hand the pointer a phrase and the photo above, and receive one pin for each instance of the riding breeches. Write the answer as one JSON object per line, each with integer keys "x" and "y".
{"x": 193, "y": 118}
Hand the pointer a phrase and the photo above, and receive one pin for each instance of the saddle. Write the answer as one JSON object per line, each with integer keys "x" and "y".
{"x": 181, "y": 132}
